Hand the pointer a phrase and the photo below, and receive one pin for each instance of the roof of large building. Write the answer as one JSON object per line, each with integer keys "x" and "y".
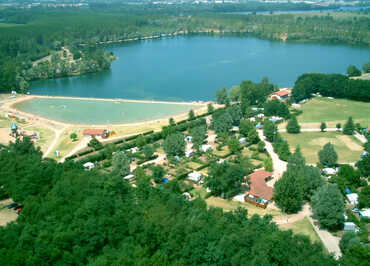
{"x": 281, "y": 93}
{"x": 93, "y": 131}
{"x": 258, "y": 186}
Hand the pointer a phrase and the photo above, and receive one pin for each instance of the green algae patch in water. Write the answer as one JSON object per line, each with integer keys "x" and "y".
{"x": 76, "y": 111}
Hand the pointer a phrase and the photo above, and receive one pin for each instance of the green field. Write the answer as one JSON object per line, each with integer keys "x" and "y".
{"x": 303, "y": 227}
{"x": 348, "y": 148}
{"x": 322, "y": 109}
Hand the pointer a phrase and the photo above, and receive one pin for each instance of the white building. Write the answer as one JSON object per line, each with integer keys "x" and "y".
{"x": 195, "y": 176}
{"x": 349, "y": 226}
{"x": 242, "y": 140}
{"x": 188, "y": 153}
{"x": 352, "y": 198}
{"x": 206, "y": 147}
{"x": 88, "y": 166}
{"x": 134, "y": 149}
{"x": 329, "y": 171}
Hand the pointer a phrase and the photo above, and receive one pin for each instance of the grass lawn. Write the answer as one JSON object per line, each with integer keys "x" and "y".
{"x": 303, "y": 227}
{"x": 46, "y": 136}
{"x": 230, "y": 205}
{"x": 225, "y": 150}
{"x": 64, "y": 145}
{"x": 348, "y": 148}
{"x": 193, "y": 165}
{"x": 332, "y": 111}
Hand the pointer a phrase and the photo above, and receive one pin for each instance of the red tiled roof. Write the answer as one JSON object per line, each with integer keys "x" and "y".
{"x": 258, "y": 184}
{"x": 368, "y": 128}
{"x": 281, "y": 93}
{"x": 93, "y": 132}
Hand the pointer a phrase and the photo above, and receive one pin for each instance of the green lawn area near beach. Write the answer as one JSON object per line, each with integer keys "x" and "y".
{"x": 303, "y": 227}
{"x": 323, "y": 109}
{"x": 348, "y": 148}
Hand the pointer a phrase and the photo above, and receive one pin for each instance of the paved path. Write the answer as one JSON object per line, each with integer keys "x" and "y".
{"x": 360, "y": 137}
{"x": 279, "y": 165}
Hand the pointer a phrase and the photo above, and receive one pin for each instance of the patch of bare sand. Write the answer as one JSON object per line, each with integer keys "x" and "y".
{"x": 353, "y": 146}
{"x": 6, "y": 215}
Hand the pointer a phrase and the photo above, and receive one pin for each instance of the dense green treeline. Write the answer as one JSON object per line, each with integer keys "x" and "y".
{"x": 47, "y": 32}
{"x": 332, "y": 85}
{"x": 71, "y": 216}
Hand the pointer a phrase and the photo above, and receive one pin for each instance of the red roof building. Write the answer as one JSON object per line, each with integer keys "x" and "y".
{"x": 280, "y": 95}
{"x": 258, "y": 185}
{"x": 94, "y": 132}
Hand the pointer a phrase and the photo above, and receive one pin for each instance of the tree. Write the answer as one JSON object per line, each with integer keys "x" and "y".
{"x": 234, "y": 144}
{"x": 225, "y": 179}
{"x": 276, "y": 108}
{"x": 235, "y": 113}
{"x": 158, "y": 173}
{"x": 364, "y": 165}
{"x": 366, "y": 67}
{"x": 191, "y": 115}
{"x": 353, "y": 71}
{"x": 253, "y": 137}
{"x": 221, "y": 96}
{"x": 311, "y": 181}
{"x": 267, "y": 164}
{"x": 328, "y": 206}
{"x": 322, "y": 126}
{"x": 198, "y": 135}
{"x": 73, "y": 136}
{"x": 210, "y": 108}
{"x": 293, "y": 126}
{"x": 121, "y": 163}
{"x": 221, "y": 122}
{"x": 338, "y": 126}
{"x": 269, "y": 130}
{"x": 245, "y": 126}
{"x": 235, "y": 93}
{"x": 364, "y": 197}
{"x": 356, "y": 254}
{"x": 174, "y": 144}
{"x": 148, "y": 151}
{"x": 261, "y": 146}
{"x": 288, "y": 192}
{"x": 327, "y": 155}
{"x": 95, "y": 144}
{"x": 140, "y": 141}
{"x": 348, "y": 240}
{"x": 171, "y": 121}
{"x": 349, "y": 127}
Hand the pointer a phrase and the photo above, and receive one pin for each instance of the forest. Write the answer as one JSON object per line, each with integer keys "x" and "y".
{"x": 27, "y": 37}
{"x": 71, "y": 216}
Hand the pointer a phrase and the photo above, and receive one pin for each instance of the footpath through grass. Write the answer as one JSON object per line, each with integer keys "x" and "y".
{"x": 349, "y": 149}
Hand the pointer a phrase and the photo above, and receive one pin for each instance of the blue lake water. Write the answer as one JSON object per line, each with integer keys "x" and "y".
{"x": 194, "y": 67}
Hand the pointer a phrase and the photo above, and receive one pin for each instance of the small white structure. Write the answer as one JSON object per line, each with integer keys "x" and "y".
{"x": 349, "y": 226}
{"x": 129, "y": 177}
{"x": 252, "y": 119}
{"x": 365, "y": 213}
{"x": 187, "y": 195}
{"x": 220, "y": 161}
{"x": 14, "y": 93}
{"x": 329, "y": 171}
{"x": 206, "y": 147}
{"x": 239, "y": 197}
{"x": 134, "y": 149}
{"x": 88, "y": 166}
{"x": 242, "y": 140}
{"x": 352, "y": 198}
{"x": 208, "y": 190}
{"x": 296, "y": 105}
{"x": 188, "y": 139}
{"x": 195, "y": 176}
{"x": 188, "y": 153}
{"x": 260, "y": 115}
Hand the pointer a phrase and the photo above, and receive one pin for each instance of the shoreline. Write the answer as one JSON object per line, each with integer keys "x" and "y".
{"x": 11, "y": 107}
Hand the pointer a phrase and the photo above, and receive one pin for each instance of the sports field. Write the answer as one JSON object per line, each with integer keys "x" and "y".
{"x": 349, "y": 149}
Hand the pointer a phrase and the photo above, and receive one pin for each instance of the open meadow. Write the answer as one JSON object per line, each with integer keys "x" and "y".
{"x": 333, "y": 111}
{"x": 348, "y": 148}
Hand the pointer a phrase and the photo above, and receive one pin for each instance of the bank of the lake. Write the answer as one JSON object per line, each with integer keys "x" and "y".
{"x": 194, "y": 67}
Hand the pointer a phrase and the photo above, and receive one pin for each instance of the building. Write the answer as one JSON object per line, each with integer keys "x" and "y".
{"x": 352, "y": 198}
{"x": 95, "y": 132}
{"x": 195, "y": 176}
{"x": 259, "y": 194}
{"x": 349, "y": 226}
{"x": 88, "y": 166}
{"x": 281, "y": 95}
{"x": 206, "y": 147}
{"x": 242, "y": 140}
{"x": 365, "y": 213}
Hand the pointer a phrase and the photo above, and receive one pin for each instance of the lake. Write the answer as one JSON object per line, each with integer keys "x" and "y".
{"x": 78, "y": 111}
{"x": 194, "y": 67}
